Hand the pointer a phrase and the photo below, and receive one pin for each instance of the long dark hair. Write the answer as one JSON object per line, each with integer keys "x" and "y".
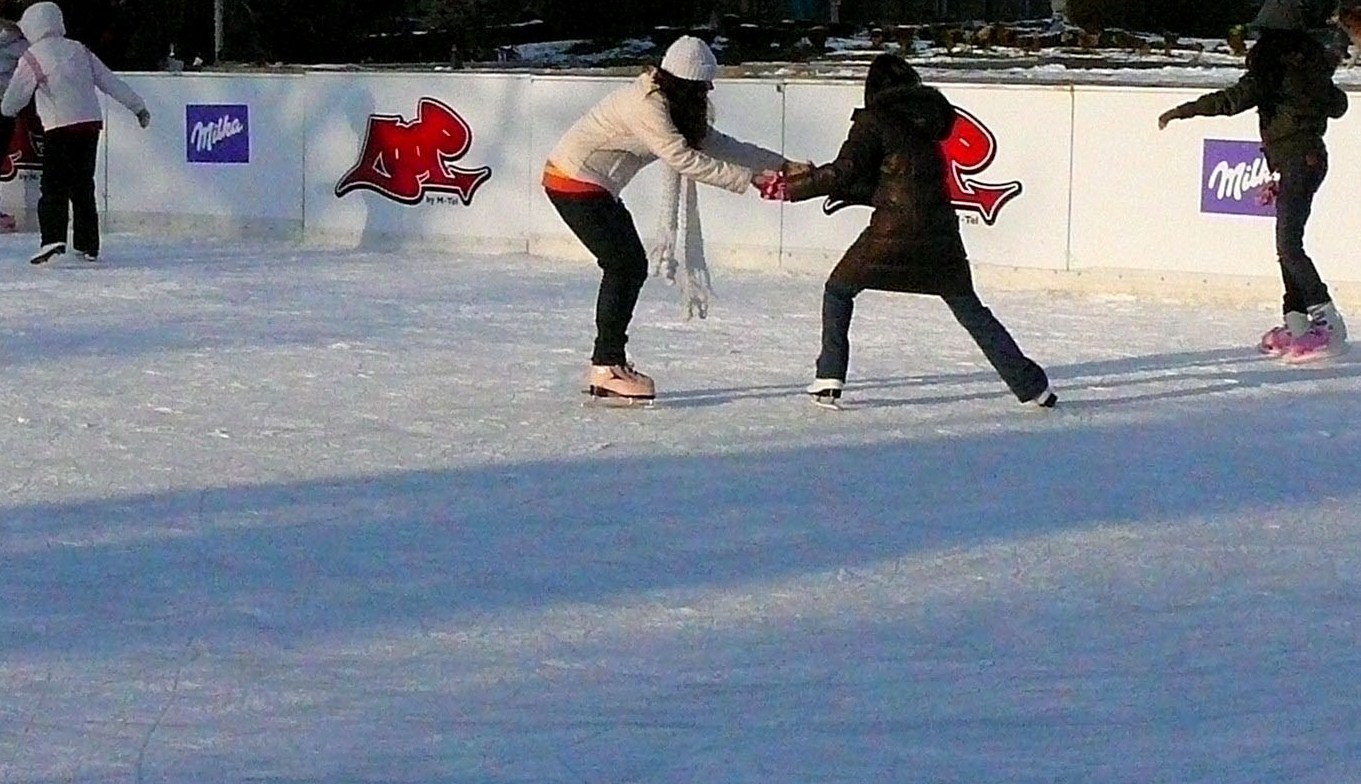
{"x": 1268, "y": 61}
{"x": 888, "y": 71}
{"x": 688, "y": 103}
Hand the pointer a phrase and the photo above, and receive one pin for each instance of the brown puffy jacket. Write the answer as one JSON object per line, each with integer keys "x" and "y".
{"x": 892, "y": 160}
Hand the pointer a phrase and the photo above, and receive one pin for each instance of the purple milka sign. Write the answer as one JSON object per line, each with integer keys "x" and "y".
{"x": 1232, "y": 178}
{"x": 217, "y": 133}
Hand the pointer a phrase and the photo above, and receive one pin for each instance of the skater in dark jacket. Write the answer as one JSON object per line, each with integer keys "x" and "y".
{"x": 12, "y": 47}
{"x": 892, "y": 161}
{"x": 1289, "y": 81}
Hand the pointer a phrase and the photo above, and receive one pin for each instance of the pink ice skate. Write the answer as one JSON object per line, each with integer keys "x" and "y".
{"x": 1315, "y": 345}
{"x": 1325, "y": 338}
{"x": 1276, "y": 341}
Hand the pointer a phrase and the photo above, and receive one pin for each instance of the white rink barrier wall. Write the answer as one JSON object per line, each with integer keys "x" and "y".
{"x": 1053, "y": 184}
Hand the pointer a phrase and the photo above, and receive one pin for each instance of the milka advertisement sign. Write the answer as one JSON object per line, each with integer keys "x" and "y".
{"x": 1233, "y": 179}
{"x": 217, "y": 133}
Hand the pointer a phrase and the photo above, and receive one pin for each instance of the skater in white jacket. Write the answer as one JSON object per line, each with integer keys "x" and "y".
{"x": 62, "y": 77}
{"x": 662, "y": 115}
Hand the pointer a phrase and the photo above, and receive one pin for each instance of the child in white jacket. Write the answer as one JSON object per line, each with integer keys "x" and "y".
{"x": 62, "y": 77}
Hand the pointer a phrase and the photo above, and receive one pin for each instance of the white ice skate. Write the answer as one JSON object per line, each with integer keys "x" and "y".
{"x": 1046, "y": 399}
{"x": 826, "y": 392}
{"x": 47, "y": 252}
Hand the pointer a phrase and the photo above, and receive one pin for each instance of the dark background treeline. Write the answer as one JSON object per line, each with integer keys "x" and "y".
{"x": 139, "y": 34}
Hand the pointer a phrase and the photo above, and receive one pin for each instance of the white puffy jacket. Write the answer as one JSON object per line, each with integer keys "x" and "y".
{"x": 631, "y": 128}
{"x": 62, "y": 73}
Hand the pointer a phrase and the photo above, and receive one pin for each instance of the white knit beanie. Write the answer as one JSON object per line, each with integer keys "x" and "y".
{"x": 690, "y": 58}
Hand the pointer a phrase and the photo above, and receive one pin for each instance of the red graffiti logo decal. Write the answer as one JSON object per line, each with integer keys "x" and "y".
{"x": 969, "y": 150}
{"x": 25, "y": 151}
{"x": 404, "y": 160}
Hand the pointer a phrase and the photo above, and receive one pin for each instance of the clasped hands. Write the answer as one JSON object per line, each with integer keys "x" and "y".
{"x": 774, "y": 185}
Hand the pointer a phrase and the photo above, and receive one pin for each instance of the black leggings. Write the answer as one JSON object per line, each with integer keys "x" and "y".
{"x": 605, "y": 227}
{"x": 68, "y": 188}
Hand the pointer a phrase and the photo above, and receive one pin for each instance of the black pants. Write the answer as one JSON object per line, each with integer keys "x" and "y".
{"x": 6, "y": 132}
{"x": 1301, "y": 176}
{"x": 1025, "y": 378}
{"x": 68, "y": 188}
{"x": 605, "y": 227}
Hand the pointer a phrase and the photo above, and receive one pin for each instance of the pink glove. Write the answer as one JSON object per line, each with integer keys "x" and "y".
{"x": 776, "y": 188}
{"x": 1269, "y": 193}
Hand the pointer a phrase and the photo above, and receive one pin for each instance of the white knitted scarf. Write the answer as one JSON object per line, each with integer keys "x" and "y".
{"x": 682, "y": 221}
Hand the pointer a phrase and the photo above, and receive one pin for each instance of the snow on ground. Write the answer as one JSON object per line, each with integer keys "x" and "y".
{"x": 278, "y": 515}
{"x": 1208, "y": 63}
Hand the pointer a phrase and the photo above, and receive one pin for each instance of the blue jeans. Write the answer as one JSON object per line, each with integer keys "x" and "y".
{"x": 1025, "y": 378}
{"x": 1301, "y": 177}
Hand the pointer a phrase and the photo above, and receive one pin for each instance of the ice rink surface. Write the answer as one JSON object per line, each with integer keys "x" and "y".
{"x": 280, "y": 515}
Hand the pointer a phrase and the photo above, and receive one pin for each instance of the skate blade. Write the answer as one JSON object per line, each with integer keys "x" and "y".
{"x": 1316, "y": 360}
{"x": 829, "y": 403}
{"x": 596, "y": 397}
{"x": 45, "y": 258}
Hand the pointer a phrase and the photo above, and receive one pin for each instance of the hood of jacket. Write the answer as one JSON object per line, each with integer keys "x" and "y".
{"x": 922, "y": 108}
{"x": 42, "y": 20}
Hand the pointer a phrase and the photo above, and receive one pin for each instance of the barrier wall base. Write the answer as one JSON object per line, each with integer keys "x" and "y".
{"x": 387, "y": 241}
{"x": 201, "y": 226}
{"x": 1190, "y": 288}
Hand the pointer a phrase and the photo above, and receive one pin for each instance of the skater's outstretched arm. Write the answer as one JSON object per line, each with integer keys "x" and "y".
{"x": 753, "y": 156}
{"x": 923, "y": 112}
{"x": 857, "y": 161}
{"x": 116, "y": 88}
{"x": 1240, "y": 97}
{"x": 656, "y": 130}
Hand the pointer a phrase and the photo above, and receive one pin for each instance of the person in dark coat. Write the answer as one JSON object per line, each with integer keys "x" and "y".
{"x": 1289, "y": 81}
{"x": 892, "y": 160}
